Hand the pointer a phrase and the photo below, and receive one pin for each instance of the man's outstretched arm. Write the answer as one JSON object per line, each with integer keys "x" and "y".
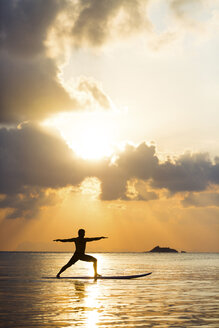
{"x": 95, "y": 238}
{"x": 65, "y": 240}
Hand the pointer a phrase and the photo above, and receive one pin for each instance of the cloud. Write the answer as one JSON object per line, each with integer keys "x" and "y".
{"x": 34, "y": 164}
{"x": 32, "y": 157}
{"x": 25, "y": 24}
{"x": 134, "y": 162}
{"x": 204, "y": 199}
{"x": 98, "y": 21}
{"x": 92, "y": 90}
{"x": 183, "y": 19}
{"x": 139, "y": 190}
{"x": 30, "y": 89}
{"x": 113, "y": 183}
{"x": 183, "y": 10}
{"x": 30, "y": 84}
{"x": 138, "y": 162}
{"x": 27, "y": 203}
{"x": 33, "y": 34}
{"x": 214, "y": 174}
{"x": 189, "y": 172}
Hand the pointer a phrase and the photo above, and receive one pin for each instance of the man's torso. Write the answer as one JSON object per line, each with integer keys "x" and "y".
{"x": 80, "y": 244}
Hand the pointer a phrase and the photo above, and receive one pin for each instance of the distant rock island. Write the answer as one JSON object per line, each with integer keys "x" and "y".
{"x": 159, "y": 249}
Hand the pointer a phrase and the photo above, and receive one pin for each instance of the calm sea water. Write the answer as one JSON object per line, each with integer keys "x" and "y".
{"x": 181, "y": 292}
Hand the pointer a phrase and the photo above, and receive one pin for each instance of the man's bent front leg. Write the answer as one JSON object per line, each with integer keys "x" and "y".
{"x": 95, "y": 269}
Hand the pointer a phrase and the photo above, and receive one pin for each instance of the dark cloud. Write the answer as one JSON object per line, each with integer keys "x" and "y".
{"x": 30, "y": 89}
{"x": 31, "y": 163}
{"x": 134, "y": 162}
{"x": 203, "y": 199}
{"x": 29, "y": 85}
{"x": 31, "y": 157}
{"x": 139, "y": 190}
{"x": 113, "y": 183}
{"x": 214, "y": 174}
{"x": 25, "y": 24}
{"x": 138, "y": 162}
{"x": 27, "y": 203}
{"x": 190, "y": 172}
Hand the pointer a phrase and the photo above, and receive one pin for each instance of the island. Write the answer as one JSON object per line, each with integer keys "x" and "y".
{"x": 159, "y": 249}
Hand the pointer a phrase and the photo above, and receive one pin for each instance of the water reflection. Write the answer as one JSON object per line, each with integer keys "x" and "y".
{"x": 86, "y": 303}
{"x": 93, "y": 305}
{"x": 79, "y": 290}
{"x": 92, "y": 319}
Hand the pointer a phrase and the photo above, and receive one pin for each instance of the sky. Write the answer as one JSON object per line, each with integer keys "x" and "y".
{"x": 109, "y": 122}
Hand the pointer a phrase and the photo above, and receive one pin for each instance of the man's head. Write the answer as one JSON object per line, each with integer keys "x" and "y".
{"x": 81, "y": 232}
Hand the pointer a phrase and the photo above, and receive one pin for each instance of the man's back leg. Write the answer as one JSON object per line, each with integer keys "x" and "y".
{"x": 72, "y": 261}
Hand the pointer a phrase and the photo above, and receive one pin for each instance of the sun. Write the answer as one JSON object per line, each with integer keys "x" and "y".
{"x": 90, "y": 135}
{"x": 94, "y": 143}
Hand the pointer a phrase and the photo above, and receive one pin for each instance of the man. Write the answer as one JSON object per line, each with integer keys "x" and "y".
{"x": 80, "y": 244}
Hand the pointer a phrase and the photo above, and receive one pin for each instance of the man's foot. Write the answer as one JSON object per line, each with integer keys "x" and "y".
{"x": 58, "y": 276}
{"x": 97, "y": 275}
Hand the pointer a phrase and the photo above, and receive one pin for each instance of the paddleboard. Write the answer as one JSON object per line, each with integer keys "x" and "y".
{"x": 103, "y": 277}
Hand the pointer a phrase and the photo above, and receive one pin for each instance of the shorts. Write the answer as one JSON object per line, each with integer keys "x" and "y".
{"x": 83, "y": 257}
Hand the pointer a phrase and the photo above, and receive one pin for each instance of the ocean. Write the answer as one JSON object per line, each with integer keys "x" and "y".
{"x": 182, "y": 291}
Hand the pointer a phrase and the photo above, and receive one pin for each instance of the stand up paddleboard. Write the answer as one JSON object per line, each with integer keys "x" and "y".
{"x": 104, "y": 277}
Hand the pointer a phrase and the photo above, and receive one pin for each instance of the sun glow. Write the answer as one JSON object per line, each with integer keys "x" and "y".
{"x": 90, "y": 135}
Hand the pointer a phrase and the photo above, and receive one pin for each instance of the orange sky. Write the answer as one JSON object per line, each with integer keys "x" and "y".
{"x": 130, "y": 226}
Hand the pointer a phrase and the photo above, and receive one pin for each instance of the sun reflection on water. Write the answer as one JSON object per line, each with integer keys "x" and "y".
{"x": 93, "y": 319}
{"x": 85, "y": 304}
{"x": 92, "y": 305}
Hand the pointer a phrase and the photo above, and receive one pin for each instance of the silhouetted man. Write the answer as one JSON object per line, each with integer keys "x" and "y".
{"x": 80, "y": 244}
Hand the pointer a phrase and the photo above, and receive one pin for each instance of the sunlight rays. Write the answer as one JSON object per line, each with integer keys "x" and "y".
{"x": 90, "y": 135}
